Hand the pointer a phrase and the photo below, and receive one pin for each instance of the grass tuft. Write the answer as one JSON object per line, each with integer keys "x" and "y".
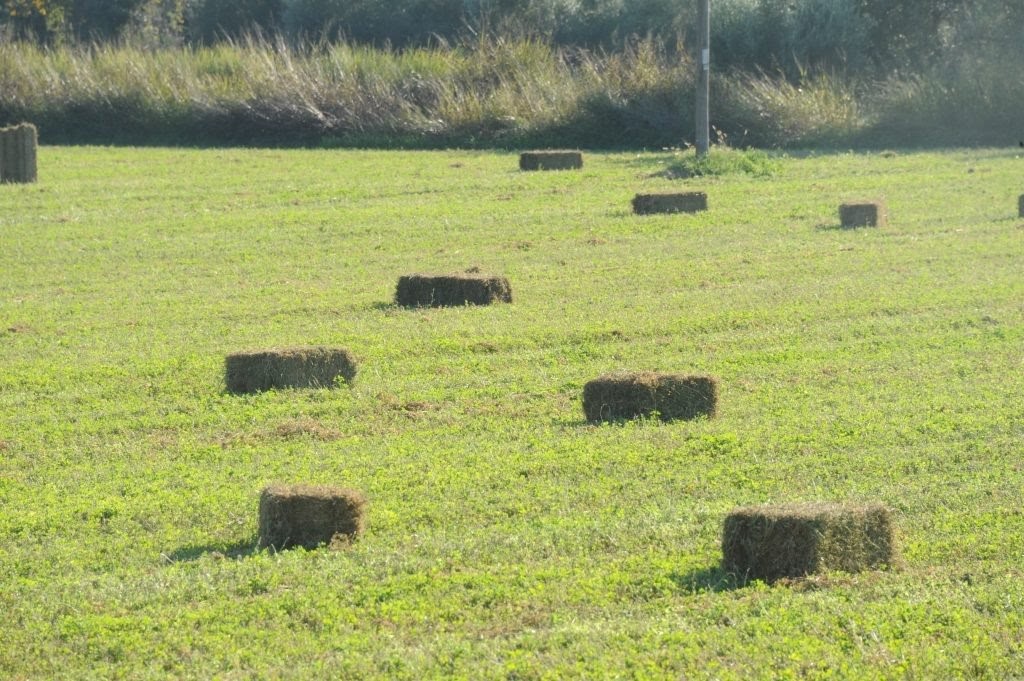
{"x": 721, "y": 160}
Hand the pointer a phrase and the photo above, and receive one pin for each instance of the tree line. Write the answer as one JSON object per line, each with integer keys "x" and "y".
{"x": 787, "y": 36}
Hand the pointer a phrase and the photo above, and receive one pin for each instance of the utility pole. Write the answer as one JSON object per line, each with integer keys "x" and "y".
{"x": 703, "y": 76}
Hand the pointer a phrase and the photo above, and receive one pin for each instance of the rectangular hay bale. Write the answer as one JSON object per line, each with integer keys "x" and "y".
{"x": 18, "y": 151}
{"x": 313, "y": 367}
{"x": 551, "y": 160}
{"x": 634, "y": 395}
{"x": 863, "y": 214}
{"x": 426, "y": 290}
{"x": 309, "y": 516}
{"x": 795, "y": 540}
{"x": 681, "y": 202}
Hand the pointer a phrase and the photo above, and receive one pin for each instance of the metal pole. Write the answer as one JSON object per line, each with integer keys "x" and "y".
{"x": 703, "y": 76}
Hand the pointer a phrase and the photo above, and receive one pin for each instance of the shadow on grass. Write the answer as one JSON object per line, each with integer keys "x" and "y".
{"x": 239, "y": 549}
{"x": 836, "y": 227}
{"x": 714, "y": 579}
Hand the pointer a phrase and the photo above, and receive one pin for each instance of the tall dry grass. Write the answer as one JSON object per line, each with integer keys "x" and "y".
{"x": 492, "y": 92}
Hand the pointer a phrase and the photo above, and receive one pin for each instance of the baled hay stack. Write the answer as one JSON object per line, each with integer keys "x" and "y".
{"x": 1020, "y": 205}
{"x": 794, "y": 540}
{"x": 256, "y": 371}
{"x": 683, "y": 202}
{"x": 671, "y": 396}
{"x": 18, "y": 146}
{"x": 550, "y": 160}
{"x": 308, "y": 516}
{"x": 425, "y": 290}
{"x": 862, "y": 214}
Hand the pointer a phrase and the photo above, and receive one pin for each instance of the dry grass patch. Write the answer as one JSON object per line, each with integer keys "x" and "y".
{"x": 309, "y": 516}
{"x": 680, "y": 202}
{"x": 794, "y": 540}
{"x": 452, "y": 290}
{"x": 260, "y": 370}
{"x": 632, "y": 395}
{"x": 862, "y": 214}
{"x": 551, "y": 160}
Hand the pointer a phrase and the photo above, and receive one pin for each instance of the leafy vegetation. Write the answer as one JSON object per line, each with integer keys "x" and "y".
{"x": 506, "y": 537}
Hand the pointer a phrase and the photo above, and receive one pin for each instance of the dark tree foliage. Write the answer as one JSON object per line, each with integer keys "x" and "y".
{"x": 213, "y": 20}
{"x": 379, "y": 22}
{"x": 869, "y": 37}
{"x": 100, "y": 19}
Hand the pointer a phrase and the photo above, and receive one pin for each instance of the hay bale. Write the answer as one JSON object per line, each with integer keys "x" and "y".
{"x": 671, "y": 396}
{"x": 681, "y": 202}
{"x": 863, "y": 214}
{"x": 308, "y": 516}
{"x": 550, "y": 160}
{"x": 794, "y": 540}
{"x": 259, "y": 370}
{"x": 18, "y": 150}
{"x": 425, "y": 290}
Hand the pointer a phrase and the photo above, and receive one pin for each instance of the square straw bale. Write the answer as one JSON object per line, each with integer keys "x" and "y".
{"x": 304, "y": 367}
{"x": 454, "y": 290}
{"x": 18, "y": 150}
{"x": 551, "y": 160}
{"x": 617, "y": 397}
{"x": 794, "y": 540}
{"x": 680, "y": 202}
{"x": 308, "y": 515}
{"x": 862, "y": 214}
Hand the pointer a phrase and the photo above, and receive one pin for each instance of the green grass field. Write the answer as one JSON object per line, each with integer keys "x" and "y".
{"x": 507, "y": 537}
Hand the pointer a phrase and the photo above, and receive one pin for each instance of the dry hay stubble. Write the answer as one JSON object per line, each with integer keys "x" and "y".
{"x": 312, "y": 367}
{"x": 795, "y": 540}
{"x": 863, "y": 214}
{"x": 680, "y": 202}
{"x": 309, "y": 515}
{"x": 631, "y": 395}
{"x": 556, "y": 159}
{"x": 425, "y": 290}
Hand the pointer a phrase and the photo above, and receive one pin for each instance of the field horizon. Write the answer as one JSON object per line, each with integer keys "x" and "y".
{"x": 507, "y": 537}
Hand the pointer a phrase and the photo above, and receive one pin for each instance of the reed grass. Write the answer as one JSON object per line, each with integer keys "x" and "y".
{"x": 494, "y": 92}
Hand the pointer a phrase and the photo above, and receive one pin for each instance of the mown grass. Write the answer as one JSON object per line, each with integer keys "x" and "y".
{"x": 507, "y": 538}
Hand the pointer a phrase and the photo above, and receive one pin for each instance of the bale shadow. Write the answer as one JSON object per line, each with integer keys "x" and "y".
{"x": 384, "y": 306}
{"x": 234, "y": 550}
{"x": 715, "y": 579}
{"x": 834, "y": 227}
